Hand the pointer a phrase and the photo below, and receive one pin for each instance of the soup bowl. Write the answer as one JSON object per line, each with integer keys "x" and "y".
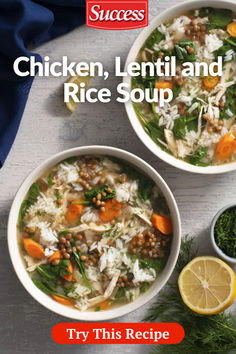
{"x": 18, "y": 261}
{"x": 133, "y": 53}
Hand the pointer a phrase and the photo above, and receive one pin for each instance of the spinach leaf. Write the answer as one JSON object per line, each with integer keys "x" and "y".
{"x": 90, "y": 194}
{"x": 228, "y": 44}
{"x": 49, "y": 271}
{"x": 154, "y": 130}
{"x": 81, "y": 267}
{"x": 145, "y": 187}
{"x": 219, "y": 18}
{"x": 205, "y": 11}
{"x": 184, "y": 122}
{"x": 48, "y": 289}
{"x": 196, "y": 159}
{"x": 42, "y": 287}
{"x": 181, "y": 52}
{"x": 33, "y": 194}
{"x": 155, "y": 263}
{"x": 154, "y": 38}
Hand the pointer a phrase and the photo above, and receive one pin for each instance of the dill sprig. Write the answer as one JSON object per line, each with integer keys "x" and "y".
{"x": 203, "y": 334}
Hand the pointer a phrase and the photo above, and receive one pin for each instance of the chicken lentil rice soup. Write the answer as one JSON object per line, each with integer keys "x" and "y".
{"x": 95, "y": 232}
{"x": 198, "y": 125}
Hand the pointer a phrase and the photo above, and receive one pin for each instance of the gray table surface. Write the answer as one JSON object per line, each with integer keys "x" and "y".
{"x": 48, "y": 128}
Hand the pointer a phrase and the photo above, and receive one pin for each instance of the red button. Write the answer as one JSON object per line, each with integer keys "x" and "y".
{"x": 118, "y": 333}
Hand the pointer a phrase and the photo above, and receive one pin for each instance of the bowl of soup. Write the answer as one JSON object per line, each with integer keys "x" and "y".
{"x": 94, "y": 233}
{"x": 196, "y": 130}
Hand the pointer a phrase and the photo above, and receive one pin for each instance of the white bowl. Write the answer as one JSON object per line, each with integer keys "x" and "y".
{"x": 18, "y": 263}
{"x": 134, "y": 120}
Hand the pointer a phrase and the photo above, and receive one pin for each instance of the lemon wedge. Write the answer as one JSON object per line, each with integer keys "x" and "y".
{"x": 71, "y": 105}
{"x": 207, "y": 285}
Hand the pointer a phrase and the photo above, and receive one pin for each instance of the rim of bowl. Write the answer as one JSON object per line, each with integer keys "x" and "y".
{"x": 17, "y": 259}
{"x": 134, "y": 120}
{"x": 213, "y": 241}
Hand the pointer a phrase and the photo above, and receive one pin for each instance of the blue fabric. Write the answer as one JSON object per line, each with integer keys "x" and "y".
{"x": 24, "y": 23}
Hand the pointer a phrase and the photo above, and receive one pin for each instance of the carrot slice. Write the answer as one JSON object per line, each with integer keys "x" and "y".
{"x": 162, "y": 223}
{"x": 54, "y": 256}
{"x": 74, "y": 211}
{"x": 226, "y": 146}
{"x": 69, "y": 276}
{"x": 164, "y": 85}
{"x": 33, "y": 248}
{"x": 105, "y": 304}
{"x": 231, "y": 29}
{"x": 62, "y": 300}
{"x": 112, "y": 210}
{"x": 210, "y": 82}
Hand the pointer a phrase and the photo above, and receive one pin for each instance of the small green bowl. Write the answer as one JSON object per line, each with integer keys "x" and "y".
{"x": 213, "y": 241}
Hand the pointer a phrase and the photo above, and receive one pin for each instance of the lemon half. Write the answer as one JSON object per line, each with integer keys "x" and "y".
{"x": 71, "y": 105}
{"x": 207, "y": 285}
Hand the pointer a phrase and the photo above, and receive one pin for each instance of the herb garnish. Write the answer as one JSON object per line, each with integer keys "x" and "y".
{"x": 81, "y": 267}
{"x": 33, "y": 194}
{"x": 92, "y": 193}
{"x": 225, "y": 232}
{"x": 203, "y": 334}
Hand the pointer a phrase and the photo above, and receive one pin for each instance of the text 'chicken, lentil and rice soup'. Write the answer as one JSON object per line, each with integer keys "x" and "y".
{"x": 95, "y": 232}
{"x": 198, "y": 125}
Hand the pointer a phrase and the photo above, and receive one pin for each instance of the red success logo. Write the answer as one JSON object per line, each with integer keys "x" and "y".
{"x": 116, "y": 14}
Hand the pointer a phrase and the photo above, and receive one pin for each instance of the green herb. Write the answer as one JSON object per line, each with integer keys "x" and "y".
{"x": 154, "y": 131}
{"x": 33, "y": 194}
{"x": 154, "y": 38}
{"x": 196, "y": 159}
{"x": 120, "y": 293}
{"x": 152, "y": 104}
{"x": 63, "y": 233}
{"x": 81, "y": 267}
{"x": 98, "y": 308}
{"x": 225, "y": 232}
{"x": 155, "y": 263}
{"x": 107, "y": 233}
{"x": 229, "y": 103}
{"x": 57, "y": 194}
{"x": 92, "y": 193}
{"x": 50, "y": 181}
{"x": 203, "y": 334}
{"x": 231, "y": 40}
{"x": 145, "y": 187}
{"x": 69, "y": 160}
{"x": 176, "y": 91}
{"x": 131, "y": 296}
{"x": 82, "y": 202}
{"x": 145, "y": 184}
{"x": 181, "y": 52}
{"x": 144, "y": 287}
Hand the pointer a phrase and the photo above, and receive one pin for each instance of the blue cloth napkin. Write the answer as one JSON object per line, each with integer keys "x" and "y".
{"x": 24, "y": 23}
